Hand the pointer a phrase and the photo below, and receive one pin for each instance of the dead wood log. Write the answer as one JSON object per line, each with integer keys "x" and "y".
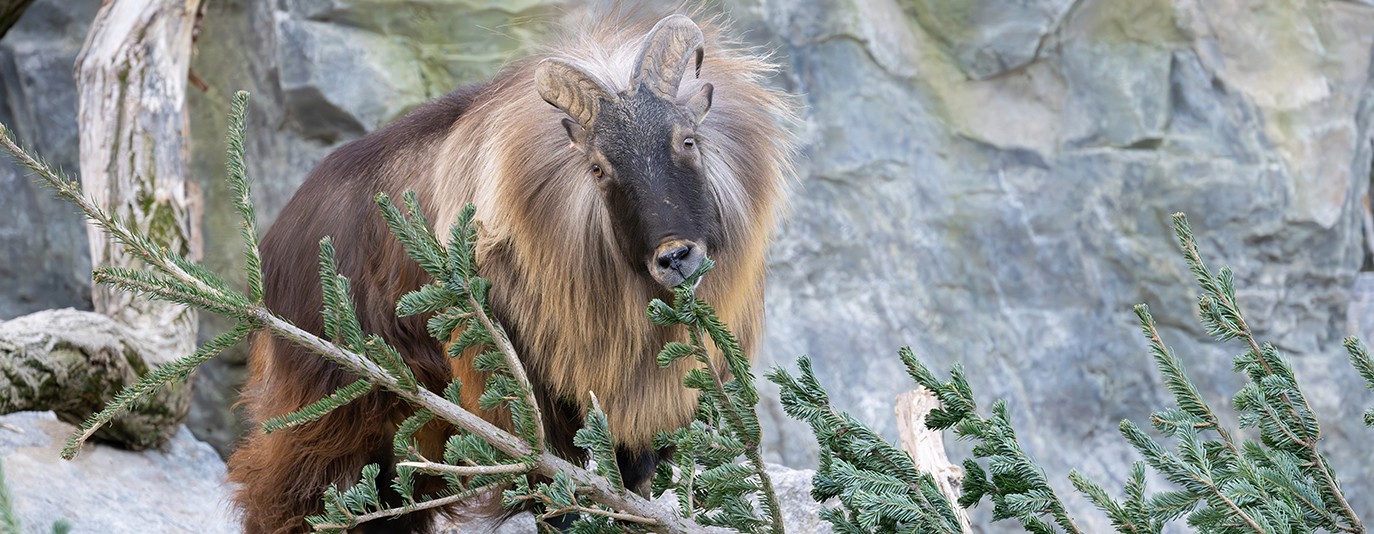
{"x": 72, "y": 362}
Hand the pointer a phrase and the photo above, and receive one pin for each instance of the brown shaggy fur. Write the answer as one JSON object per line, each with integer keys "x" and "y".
{"x": 574, "y": 307}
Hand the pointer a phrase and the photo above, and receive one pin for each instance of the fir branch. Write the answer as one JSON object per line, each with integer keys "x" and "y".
{"x": 402, "y": 442}
{"x": 595, "y": 436}
{"x": 9, "y": 520}
{"x": 354, "y": 520}
{"x": 730, "y": 405}
{"x": 429, "y": 298}
{"x": 877, "y": 484}
{"x": 386, "y": 356}
{"x": 456, "y": 270}
{"x": 1221, "y": 313}
{"x": 1013, "y": 481}
{"x": 1359, "y": 357}
{"x": 595, "y": 487}
{"x": 618, "y": 516}
{"x": 743, "y": 418}
{"x": 152, "y": 382}
{"x": 140, "y": 246}
{"x": 166, "y": 289}
{"x": 340, "y": 316}
{"x": 515, "y": 368}
{"x": 239, "y": 184}
{"x": 1129, "y": 517}
{"x": 319, "y": 408}
{"x": 560, "y": 497}
{"x": 414, "y": 235}
{"x": 1176, "y": 379}
{"x": 1183, "y": 474}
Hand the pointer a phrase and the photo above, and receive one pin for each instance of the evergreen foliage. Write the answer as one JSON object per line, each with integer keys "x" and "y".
{"x": 878, "y": 486}
{"x": 595, "y": 436}
{"x": 1359, "y": 357}
{"x": 1279, "y": 483}
{"x": 710, "y": 485}
{"x": 1013, "y": 482}
{"x": 9, "y": 522}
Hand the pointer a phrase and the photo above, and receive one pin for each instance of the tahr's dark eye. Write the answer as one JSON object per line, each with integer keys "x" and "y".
{"x": 689, "y": 143}
{"x": 596, "y": 170}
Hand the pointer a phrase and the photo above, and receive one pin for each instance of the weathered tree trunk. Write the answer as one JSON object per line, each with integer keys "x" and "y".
{"x": 10, "y": 10}
{"x": 72, "y": 362}
{"x": 131, "y": 81}
{"x": 927, "y": 447}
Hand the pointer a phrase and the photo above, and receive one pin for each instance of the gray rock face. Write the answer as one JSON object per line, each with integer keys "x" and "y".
{"x": 989, "y": 182}
{"x": 45, "y": 261}
{"x": 178, "y": 488}
{"x": 1009, "y": 222}
{"x": 989, "y": 37}
{"x": 320, "y": 65}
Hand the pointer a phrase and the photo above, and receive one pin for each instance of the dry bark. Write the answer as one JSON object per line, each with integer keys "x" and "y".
{"x": 131, "y": 84}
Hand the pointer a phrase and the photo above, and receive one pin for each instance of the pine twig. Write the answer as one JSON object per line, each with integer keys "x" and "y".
{"x": 1239, "y": 328}
{"x": 751, "y": 450}
{"x": 498, "y": 335}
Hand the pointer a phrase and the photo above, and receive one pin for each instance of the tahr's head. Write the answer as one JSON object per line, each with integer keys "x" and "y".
{"x": 642, "y": 150}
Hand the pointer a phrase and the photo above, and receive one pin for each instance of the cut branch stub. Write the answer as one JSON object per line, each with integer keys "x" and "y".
{"x": 927, "y": 447}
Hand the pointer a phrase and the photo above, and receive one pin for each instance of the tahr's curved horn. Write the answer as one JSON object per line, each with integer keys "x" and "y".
{"x": 570, "y": 89}
{"x": 672, "y": 43}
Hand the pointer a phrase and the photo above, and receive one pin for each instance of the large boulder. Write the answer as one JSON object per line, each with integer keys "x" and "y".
{"x": 179, "y": 487}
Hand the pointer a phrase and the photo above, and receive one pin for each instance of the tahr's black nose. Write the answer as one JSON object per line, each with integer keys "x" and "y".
{"x": 675, "y": 260}
{"x": 672, "y": 258}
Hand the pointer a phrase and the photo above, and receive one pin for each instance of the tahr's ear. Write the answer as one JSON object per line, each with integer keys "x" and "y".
{"x": 700, "y": 103}
{"x": 571, "y": 89}
{"x": 576, "y": 133}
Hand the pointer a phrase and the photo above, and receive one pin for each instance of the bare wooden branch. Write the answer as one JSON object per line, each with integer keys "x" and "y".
{"x": 927, "y": 447}
{"x": 467, "y": 470}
